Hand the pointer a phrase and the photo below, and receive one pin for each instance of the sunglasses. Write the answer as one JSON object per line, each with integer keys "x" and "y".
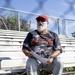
{"x": 42, "y": 20}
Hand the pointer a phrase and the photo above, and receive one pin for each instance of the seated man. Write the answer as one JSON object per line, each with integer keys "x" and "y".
{"x": 43, "y": 48}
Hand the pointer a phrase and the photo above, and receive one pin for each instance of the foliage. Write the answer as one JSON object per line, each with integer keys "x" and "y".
{"x": 11, "y": 21}
{"x": 70, "y": 69}
{"x": 73, "y": 34}
{"x": 45, "y": 72}
{"x": 67, "y": 69}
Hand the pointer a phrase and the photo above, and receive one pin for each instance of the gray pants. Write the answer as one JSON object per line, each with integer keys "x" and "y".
{"x": 32, "y": 66}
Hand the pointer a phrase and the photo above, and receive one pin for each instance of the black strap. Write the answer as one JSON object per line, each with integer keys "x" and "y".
{"x": 42, "y": 36}
{"x": 50, "y": 41}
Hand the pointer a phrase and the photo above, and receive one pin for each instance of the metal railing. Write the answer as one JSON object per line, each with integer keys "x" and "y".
{"x": 58, "y": 25}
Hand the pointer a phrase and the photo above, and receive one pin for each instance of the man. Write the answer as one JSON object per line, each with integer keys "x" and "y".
{"x": 43, "y": 48}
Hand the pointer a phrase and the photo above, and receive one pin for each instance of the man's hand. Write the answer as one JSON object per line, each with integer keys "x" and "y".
{"x": 53, "y": 55}
{"x": 50, "y": 61}
{"x": 27, "y": 53}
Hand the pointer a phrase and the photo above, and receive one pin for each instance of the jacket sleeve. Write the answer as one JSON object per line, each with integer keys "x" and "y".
{"x": 57, "y": 44}
{"x": 26, "y": 43}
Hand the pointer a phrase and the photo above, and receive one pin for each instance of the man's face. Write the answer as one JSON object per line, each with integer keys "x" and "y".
{"x": 41, "y": 24}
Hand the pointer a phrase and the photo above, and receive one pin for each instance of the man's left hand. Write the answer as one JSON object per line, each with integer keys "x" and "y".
{"x": 50, "y": 61}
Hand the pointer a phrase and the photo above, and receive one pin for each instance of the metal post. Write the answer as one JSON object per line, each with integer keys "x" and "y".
{"x": 18, "y": 20}
{"x": 58, "y": 26}
{"x": 66, "y": 28}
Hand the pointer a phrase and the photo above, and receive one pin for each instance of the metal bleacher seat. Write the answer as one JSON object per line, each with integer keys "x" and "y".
{"x": 68, "y": 55}
{"x": 11, "y": 47}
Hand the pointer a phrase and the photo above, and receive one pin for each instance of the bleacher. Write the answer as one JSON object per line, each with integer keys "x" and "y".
{"x": 68, "y": 55}
{"x": 12, "y": 59}
{"x": 11, "y": 55}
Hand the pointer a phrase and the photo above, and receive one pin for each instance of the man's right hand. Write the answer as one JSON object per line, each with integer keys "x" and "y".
{"x": 27, "y": 53}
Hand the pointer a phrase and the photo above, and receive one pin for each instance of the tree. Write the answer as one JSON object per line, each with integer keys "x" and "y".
{"x": 11, "y": 21}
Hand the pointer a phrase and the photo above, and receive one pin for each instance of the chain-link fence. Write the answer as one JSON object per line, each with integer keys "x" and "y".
{"x": 25, "y": 21}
